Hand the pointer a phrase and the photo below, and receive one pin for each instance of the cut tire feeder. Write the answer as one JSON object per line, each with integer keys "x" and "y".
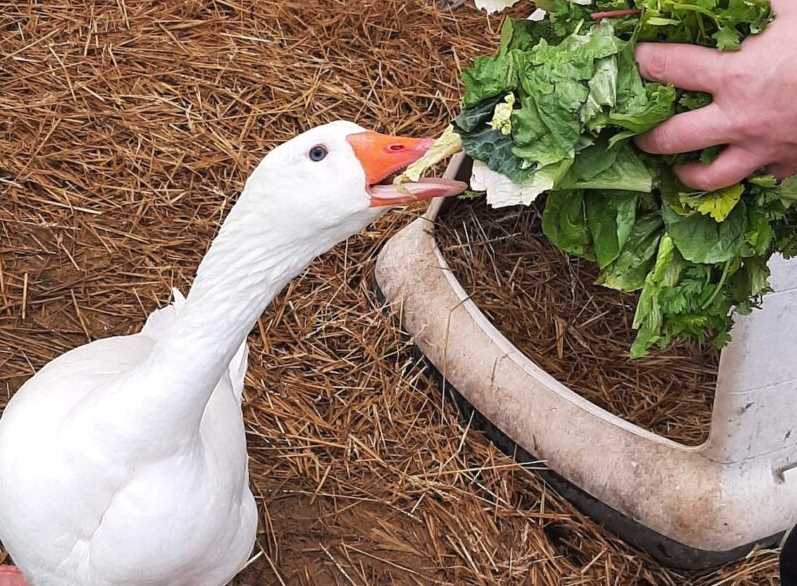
{"x": 691, "y": 508}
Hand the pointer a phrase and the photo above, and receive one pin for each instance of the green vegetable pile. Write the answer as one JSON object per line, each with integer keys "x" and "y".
{"x": 555, "y": 111}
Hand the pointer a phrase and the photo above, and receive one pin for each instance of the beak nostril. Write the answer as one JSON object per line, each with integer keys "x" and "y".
{"x": 382, "y": 156}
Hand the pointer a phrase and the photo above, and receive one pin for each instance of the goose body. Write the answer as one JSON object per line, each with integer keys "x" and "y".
{"x": 123, "y": 462}
{"x": 188, "y": 514}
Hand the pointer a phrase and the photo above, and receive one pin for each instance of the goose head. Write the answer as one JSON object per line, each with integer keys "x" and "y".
{"x": 336, "y": 178}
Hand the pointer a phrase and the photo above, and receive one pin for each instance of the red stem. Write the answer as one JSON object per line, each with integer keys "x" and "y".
{"x": 615, "y": 13}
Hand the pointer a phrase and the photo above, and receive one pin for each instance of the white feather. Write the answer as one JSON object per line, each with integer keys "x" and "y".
{"x": 123, "y": 462}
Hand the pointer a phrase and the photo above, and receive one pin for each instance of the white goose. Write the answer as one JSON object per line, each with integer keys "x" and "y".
{"x": 123, "y": 462}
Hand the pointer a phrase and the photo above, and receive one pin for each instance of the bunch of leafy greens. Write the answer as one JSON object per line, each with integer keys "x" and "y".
{"x": 555, "y": 110}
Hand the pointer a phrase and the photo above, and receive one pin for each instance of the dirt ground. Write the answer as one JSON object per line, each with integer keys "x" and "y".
{"x": 127, "y": 129}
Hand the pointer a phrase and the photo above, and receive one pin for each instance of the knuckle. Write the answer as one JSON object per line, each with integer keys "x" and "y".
{"x": 657, "y": 65}
{"x": 743, "y": 124}
{"x": 754, "y": 128}
{"x": 663, "y": 141}
{"x": 745, "y": 130}
{"x": 738, "y": 78}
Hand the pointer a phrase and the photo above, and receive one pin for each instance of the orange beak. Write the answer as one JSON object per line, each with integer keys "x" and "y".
{"x": 381, "y": 156}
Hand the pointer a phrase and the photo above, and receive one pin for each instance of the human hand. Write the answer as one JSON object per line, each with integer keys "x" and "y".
{"x": 754, "y": 111}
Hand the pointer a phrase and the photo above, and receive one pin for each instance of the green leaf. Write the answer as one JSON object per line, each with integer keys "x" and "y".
{"x": 563, "y": 86}
{"x": 602, "y": 89}
{"x": 710, "y": 155}
{"x": 702, "y": 240}
{"x": 786, "y": 234}
{"x": 610, "y": 217}
{"x": 594, "y": 160}
{"x": 489, "y": 77}
{"x": 579, "y": 99}
{"x": 625, "y": 171}
{"x": 765, "y": 181}
{"x": 564, "y": 223}
{"x": 534, "y": 139}
{"x": 747, "y": 285}
{"x": 788, "y": 189}
{"x": 628, "y": 272}
{"x": 694, "y": 100}
{"x": 718, "y": 204}
{"x": 486, "y": 144}
{"x": 712, "y": 23}
{"x": 476, "y": 117}
{"x": 495, "y": 148}
{"x": 649, "y": 318}
{"x": 758, "y": 273}
{"x": 640, "y": 106}
{"x": 759, "y": 234}
{"x": 641, "y": 117}
{"x": 727, "y": 39}
{"x": 523, "y": 34}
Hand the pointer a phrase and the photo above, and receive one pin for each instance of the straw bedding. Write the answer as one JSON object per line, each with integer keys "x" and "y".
{"x": 126, "y": 130}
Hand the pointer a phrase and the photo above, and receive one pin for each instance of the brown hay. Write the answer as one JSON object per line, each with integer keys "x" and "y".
{"x": 126, "y": 131}
{"x": 548, "y": 305}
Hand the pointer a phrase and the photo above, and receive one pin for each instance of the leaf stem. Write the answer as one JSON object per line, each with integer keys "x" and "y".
{"x": 615, "y": 13}
{"x": 720, "y": 285}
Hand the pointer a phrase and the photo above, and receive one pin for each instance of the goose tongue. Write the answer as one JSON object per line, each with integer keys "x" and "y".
{"x": 391, "y": 195}
{"x": 382, "y": 156}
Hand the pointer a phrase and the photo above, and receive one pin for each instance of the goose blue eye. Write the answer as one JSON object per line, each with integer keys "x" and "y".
{"x": 318, "y": 153}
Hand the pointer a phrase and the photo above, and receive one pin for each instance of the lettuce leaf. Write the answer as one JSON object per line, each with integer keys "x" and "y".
{"x": 489, "y": 77}
{"x": 628, "y": 272}
{"x": 610, "y": 220}
{"x": 624, "y": 171}
{"x": 702, "y": 240}
{"x": 564, "y": 223}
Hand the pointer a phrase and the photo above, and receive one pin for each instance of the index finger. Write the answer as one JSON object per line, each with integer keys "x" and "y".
{"x": 688, "y": 67}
